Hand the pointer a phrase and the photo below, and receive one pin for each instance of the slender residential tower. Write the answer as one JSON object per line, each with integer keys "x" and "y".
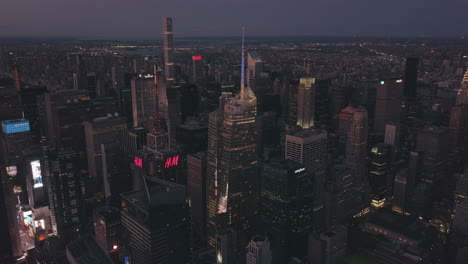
{"x": 168, "y": 51}
{"x": 172, "y": 90}
{"x": 232, "y": 184}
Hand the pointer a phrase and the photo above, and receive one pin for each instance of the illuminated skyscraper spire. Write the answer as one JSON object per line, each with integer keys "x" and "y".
{"x": 462, "y": 96}
{"x": 242, "y": 91}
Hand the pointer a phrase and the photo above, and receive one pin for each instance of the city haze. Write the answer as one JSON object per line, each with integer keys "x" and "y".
{"x": 140, "y": 19}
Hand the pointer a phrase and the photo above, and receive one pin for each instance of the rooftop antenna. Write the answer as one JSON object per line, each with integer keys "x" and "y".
{"x": 155, "y": 76}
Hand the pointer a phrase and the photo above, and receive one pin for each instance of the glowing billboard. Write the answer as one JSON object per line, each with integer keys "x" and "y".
{"x": 196, "y": 57}
{"x": 27, "y": 216}
{"x": 36, "y": 172}
{"x": 15, "y": 126}
{"x": 138, "y": 162}
{"x": 39, "y": 224}
{"x": 11, "y": 171}
{"x": 171, "y": 161}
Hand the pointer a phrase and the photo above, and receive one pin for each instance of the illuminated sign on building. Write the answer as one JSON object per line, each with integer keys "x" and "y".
{"x": 382, "y": 82}
{"x": 27, "y": 216}
{"x": 307, "y": 81}
{"x": 378, "y": 203}
{"x": 399, "y": 81}
{"x": 11, "y": 171}
{"x": 17, "y": 189}
{"x": 39, "y": 224}
{"x": 171, "y": 161}
{"x": 299, "y": 170}
{"x": 196, "y": 57}
{"x": 36, "y": 172}
{"x": 138, "y": 162}
{"x": 15, "y": 126}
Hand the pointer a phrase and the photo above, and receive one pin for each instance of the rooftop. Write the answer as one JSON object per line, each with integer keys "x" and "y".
{"x": 311, "y": 132}
{"x": 400, "y": 224}
{"x": 160, "y": 193}
{"x": 86, "y": 251}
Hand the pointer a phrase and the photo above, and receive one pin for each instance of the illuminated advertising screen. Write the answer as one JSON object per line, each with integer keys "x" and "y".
{"x": 36, "y": 172}
{"x": 17, "y": 189}
{"x": 138, "y": 162}
{"x": 27, "y": 216}
{"x": 27, "y": 213}
{"x": 39, "y": 224}
{"x": 11, "y": 171}
{"x": 28, "y": 221}
{"x": 15, "y": 126}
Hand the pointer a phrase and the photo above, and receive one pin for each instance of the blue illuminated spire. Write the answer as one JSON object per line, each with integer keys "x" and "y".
{"x": 242, "y": 90}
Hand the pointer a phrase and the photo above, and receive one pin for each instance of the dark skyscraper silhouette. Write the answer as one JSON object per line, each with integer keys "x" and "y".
{"x": 411, "y": 77}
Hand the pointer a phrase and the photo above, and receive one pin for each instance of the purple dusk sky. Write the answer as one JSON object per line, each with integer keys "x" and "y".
{"x": 142, "y": 18}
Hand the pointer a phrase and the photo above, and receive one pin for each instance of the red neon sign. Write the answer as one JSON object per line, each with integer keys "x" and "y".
{"x": 138, "y": 162}
{"x": 196, "y": 57}
{"x": 171, "y": 161}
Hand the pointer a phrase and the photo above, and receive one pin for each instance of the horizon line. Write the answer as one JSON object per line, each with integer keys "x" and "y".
{"x": 141, "y": 38}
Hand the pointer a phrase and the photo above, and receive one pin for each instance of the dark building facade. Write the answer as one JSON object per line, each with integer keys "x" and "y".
{"x": 158, "y": 220}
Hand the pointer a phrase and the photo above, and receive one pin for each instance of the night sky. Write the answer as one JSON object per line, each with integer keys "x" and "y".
{"x": 126, "y": 19}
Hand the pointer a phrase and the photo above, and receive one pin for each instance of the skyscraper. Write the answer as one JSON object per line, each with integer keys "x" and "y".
{"x": 258, "y": 251}
{"x": 158, "y": 219}
{"x": 411, "y": 77}
{"x": 341, "y": 197}
{"x": 213, "y": 162}
{"x": 388, "y": 103}
{"x": 462, "y": 96}
{"x": 172, "y": 90}
{"x": 227, "y": 248}
{"x": 392, "y": 134}
{"x": 309, "y": 147}
{"x": 287, "y": 206}
{"x": 432, "y": 142}
{"x": 292, "y": 102}
{"x": 196, "y": 187}
{"x": 197, "y": 69}
{"x": 168, "y": 51}
{"x": 379, "y": 169}
{"x": 108, "y": 231}
{"x": 144, "y": 101}
{"x": 15, "y": 137}
{"x": 356, "y": 149}
{"x": 458, "y": 127}
{"x": 287, "y": 196}
{"x": 64, "y": 188}
{"x": 330, "y": 246}
{"x": 460, "y": 221}
{"x": 104, "y": 137}
{"x": 254, "y": 65}
{"x": 232, "y": 161}
{"x": 345, "y": 119}
{"x": 306, "y": 102}
{"x": 411, "y": 103}
{"x": 337, "y": 99}
{"x": 62, "y": 114}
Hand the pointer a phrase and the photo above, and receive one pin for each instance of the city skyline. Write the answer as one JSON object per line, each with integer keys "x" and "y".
{"x": 261, "y": 18}
{"x": 217, "y": 151}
